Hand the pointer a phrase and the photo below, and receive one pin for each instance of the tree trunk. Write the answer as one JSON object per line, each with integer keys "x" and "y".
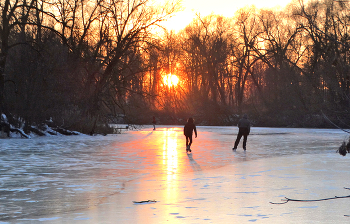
{"x": 3, "y": 53}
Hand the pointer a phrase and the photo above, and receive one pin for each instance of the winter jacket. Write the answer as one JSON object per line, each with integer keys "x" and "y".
{"x": 244, "y": 125}
{"x": 189, "y": 128}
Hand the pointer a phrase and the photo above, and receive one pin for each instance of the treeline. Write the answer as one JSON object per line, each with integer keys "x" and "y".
{"x": 84, "y": 63}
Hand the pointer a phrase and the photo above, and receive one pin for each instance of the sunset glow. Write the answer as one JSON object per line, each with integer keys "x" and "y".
{"x": 225, "y": 8}
{"x": 170, "y": 80}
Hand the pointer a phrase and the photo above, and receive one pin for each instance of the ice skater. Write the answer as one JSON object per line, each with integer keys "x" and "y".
{"x": 154, "y": 123}
{"x": 244, "y": 130}
{"x": 188, "y": 132}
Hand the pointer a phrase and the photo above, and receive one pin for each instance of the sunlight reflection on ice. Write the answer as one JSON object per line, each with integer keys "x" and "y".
{"x": 52, "y": 175}
{"x": 170, "y": 161}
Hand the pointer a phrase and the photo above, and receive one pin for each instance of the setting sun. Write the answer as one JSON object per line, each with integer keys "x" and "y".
{"x": 170, "y": 80}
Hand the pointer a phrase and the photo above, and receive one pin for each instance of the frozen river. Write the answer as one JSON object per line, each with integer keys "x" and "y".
{"x": 44, "y": 176}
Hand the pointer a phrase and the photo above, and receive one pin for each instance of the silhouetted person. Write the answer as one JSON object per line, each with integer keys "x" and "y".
{"x": 188, "y": 132}
{"x": 154, "y": 123}
{"x": 4, "y": 127}
{"x": 244, "y": 130}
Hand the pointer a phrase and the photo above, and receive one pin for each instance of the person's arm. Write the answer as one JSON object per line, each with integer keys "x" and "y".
{"x": 195, "y": 131}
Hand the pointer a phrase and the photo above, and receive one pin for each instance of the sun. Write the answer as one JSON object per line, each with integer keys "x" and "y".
{"x": 170, "y": 80}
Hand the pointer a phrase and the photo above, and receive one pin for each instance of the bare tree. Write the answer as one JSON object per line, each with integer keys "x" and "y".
{"x": 326, "y": 23}
{"x": 246, "y": 40}
{"x": 206, "y": 59}
{"x": 104, "y": 36}
{"x": 14, "y": 15}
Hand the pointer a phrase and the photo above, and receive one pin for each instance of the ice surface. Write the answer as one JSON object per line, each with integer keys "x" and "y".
{"x": 44, "y": 177}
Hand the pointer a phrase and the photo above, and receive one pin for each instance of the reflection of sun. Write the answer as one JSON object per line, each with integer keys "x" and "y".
{"x": 170, "y": 161}
{"x": 170, "y": 80}
{"x": 170, "y": 157}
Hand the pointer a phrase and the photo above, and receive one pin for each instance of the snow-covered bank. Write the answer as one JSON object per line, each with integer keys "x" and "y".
{"x": 44, "y": 176}
{"x": 7, "y": 130}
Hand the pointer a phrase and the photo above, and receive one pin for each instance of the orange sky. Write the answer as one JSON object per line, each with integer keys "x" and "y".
{"x": 221, "y": 7}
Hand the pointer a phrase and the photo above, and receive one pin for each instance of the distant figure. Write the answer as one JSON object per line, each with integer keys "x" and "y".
{"x": 188, "y": 131}
{"x": 154, "y": 123}
{"x": 5, "y": 128}
{"x": 244, "y": 130}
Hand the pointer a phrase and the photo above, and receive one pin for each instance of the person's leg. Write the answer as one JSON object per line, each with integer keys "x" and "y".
{"x": 190, "y": 139}
{"x": 187, "y": 140}
{"x": 239, "y": 136}
{"x": 245, "y": 136}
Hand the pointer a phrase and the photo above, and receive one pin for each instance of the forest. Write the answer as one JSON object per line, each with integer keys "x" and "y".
{"x": 83, "y": 64}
